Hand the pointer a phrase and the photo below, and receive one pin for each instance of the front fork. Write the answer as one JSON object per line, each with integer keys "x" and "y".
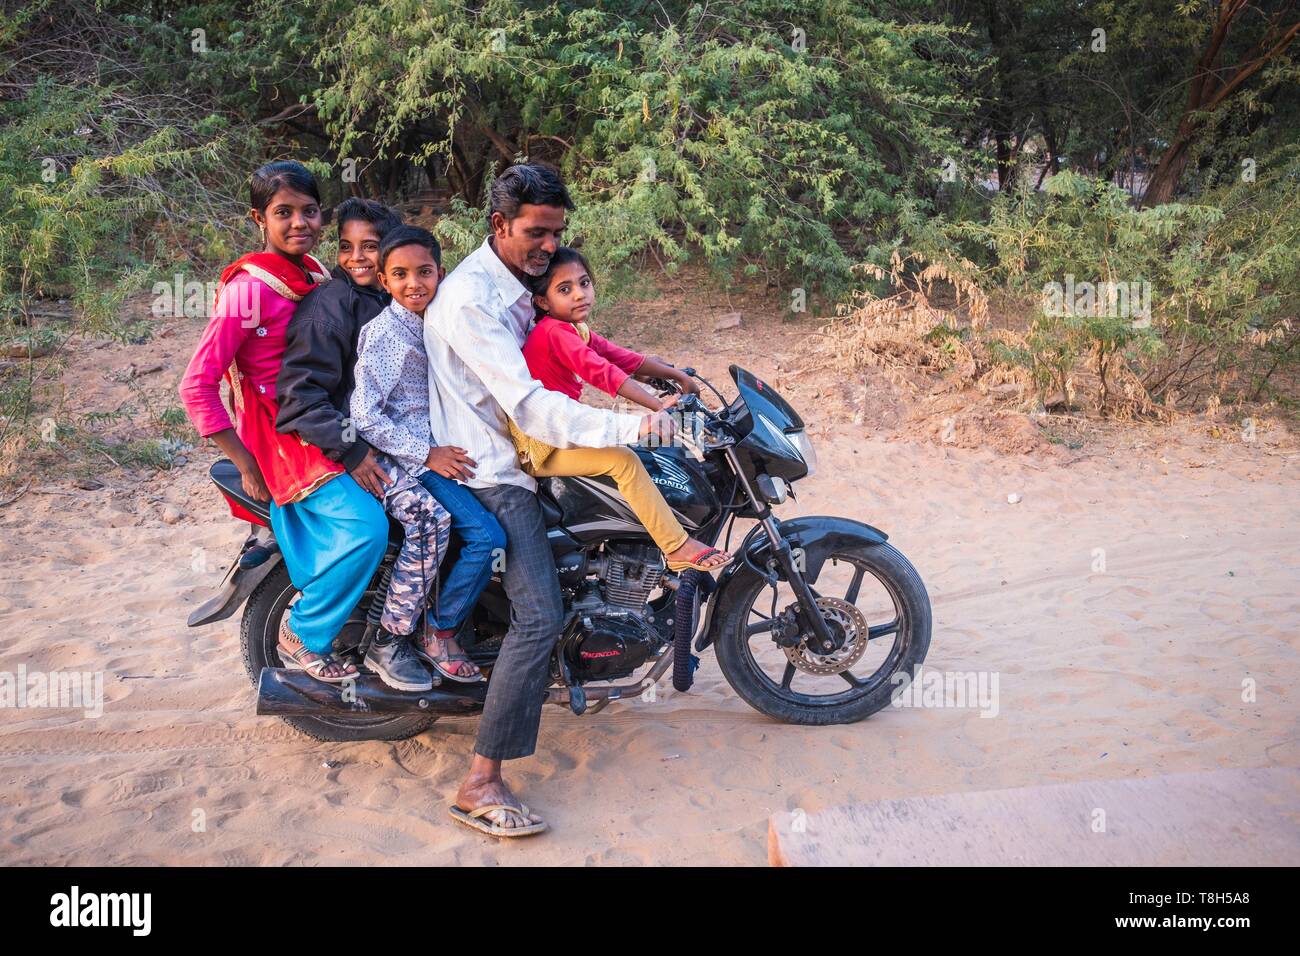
{"x": 784, "y": 557}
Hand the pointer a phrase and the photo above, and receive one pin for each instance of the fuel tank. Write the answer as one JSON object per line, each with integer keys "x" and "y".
{"x": 592, "y": 508}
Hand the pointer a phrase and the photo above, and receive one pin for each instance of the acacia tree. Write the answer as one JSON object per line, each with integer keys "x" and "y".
{"x": 1243, "y": 39}
{"x": 1116, "y": 84}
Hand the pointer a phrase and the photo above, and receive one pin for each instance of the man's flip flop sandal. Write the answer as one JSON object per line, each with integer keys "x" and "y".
{"x": 474, "y": 818}
{"x": 697, "y": 563}
{"x": 294, "y": 661}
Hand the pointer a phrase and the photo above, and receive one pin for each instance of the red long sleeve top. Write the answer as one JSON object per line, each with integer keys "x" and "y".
{"x": 559, "y": 359}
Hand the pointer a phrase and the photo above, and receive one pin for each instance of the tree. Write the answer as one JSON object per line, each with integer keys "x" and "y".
{"x": 1214, "y": 82}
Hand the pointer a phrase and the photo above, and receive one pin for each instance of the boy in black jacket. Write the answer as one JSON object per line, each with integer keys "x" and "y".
{"x": 315, "y": 380}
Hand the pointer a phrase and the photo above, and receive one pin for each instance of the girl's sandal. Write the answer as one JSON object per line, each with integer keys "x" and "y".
{"x": 295, "y": 658}
{"x": 438, "y": 661}
{"x": 697, "y": 563}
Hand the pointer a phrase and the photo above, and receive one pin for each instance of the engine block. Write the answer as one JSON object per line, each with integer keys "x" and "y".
{"x": 631, "y": 575}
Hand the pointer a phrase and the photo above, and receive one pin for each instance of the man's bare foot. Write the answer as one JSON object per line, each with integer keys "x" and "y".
{"x": 693, "y": 547}
{"x": 484, "y": 786}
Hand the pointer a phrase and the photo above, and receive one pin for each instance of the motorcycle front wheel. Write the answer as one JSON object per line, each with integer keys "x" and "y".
{"x": 876, "y": 606}
{"x": 259, "y": 634}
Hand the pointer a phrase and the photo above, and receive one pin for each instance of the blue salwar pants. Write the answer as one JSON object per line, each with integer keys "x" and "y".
{"x": 332, "y": 542}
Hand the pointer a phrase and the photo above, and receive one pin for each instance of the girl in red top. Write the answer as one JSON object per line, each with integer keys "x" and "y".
{"x": 562, "y": 353}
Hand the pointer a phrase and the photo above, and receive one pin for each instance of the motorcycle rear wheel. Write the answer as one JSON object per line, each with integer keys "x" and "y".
{"x": 259, "y": 635}
{"x": 749, "y": 658}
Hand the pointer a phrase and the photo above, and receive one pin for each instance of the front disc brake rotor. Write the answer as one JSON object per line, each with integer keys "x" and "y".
{"x": 843, "y": 615}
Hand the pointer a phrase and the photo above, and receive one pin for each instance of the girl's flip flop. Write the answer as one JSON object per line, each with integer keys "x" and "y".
{"x": 293, "y": 654}
{"x": 697, "y": 563}
{"x": 294, "y": 661}
{"x": 437, "y": 664}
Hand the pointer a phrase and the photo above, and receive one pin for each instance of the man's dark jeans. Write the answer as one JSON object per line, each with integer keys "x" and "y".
{"x": 513, "y": 711}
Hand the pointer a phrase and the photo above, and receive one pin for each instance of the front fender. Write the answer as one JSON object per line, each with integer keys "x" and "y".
{"x": 817, "y": 536}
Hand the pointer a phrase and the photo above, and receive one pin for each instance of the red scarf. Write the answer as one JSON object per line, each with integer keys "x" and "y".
{"x": 278, "y": 272}
{"x": 292, "y": 468}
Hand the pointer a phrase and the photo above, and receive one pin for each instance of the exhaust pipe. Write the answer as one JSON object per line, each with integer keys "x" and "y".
{"x": 282, "y": 692}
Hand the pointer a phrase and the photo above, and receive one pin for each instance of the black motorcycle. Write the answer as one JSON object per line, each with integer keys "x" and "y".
{"x": 811, "y": 622}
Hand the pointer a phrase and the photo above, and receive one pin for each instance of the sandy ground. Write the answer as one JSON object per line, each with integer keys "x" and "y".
{"x": 1132, "y": 671}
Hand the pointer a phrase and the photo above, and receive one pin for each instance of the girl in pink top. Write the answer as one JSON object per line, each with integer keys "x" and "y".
{"x": 330, "y": 532}
{"x": 562, "y": 353}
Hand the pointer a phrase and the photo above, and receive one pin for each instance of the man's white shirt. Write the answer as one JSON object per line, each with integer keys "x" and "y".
{"x": 474, "y": 331}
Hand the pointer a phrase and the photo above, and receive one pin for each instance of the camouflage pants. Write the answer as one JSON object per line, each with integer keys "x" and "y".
{"x": 427, "y": 525}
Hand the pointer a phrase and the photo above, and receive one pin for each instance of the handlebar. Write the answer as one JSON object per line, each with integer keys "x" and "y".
{"x": 693, "y": 404}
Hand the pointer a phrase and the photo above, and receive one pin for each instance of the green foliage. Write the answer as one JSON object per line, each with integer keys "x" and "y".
{"x": 1223, "y": 275}
{"x": 774, "y": 140}
{"x": 682, "y": 127}
{"x": 1102, "y": 86}
{"x": 105, "y": 183}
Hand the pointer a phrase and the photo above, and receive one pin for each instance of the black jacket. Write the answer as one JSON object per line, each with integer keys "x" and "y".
{"x": 320, "y": 352}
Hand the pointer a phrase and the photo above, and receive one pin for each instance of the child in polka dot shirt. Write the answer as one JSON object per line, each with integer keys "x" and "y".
{"x": 390, "y": 410}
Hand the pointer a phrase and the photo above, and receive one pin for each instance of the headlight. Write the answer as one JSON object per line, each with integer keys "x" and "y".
{"x": 801, "y": 441}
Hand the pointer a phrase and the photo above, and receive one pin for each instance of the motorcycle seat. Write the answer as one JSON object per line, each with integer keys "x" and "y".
{"x": 226, "y": 477}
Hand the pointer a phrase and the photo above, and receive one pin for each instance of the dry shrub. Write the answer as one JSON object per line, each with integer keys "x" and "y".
{"x": 908, "y": 330}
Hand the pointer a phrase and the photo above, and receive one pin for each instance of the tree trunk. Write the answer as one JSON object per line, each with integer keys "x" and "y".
{"x": 1208, "y": 91}
{"x": 1164, "y": 181}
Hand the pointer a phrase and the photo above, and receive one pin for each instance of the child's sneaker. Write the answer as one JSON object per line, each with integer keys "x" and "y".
{"x": 391, "y": 657}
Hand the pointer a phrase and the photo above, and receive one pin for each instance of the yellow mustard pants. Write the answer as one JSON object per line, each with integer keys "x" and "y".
{"x": 621, "y": 464}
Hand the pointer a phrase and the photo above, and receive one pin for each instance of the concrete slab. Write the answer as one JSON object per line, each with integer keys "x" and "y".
{"x": 1248, "y": 817}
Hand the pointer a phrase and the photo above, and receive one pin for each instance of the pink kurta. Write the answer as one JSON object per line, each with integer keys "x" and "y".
{"x": 244, "y": 340}
{"x": 247, "y": 328}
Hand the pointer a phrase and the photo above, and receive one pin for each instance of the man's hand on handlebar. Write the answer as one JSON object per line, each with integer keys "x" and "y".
{"x": 658, "y": 428}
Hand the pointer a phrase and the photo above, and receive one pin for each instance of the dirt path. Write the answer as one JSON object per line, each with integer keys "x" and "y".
{"x": 1135, "y": 670}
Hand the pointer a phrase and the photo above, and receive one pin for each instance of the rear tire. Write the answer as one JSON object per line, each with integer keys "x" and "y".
{"x": 259, "y": 635}
{"x": 747, "y": 678}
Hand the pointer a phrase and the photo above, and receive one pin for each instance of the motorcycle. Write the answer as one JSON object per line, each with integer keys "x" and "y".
{"x": 796, "y": 634}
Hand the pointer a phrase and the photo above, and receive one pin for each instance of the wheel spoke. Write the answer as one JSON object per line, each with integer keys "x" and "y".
{"x": 754, "y": 610}
{"x": 851, "y": 595}
{"x": 880, "y": 630}
{"x": 852, "y": 681}
{"x": 787, "y": 677}
{"x": 759, "y": 627}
